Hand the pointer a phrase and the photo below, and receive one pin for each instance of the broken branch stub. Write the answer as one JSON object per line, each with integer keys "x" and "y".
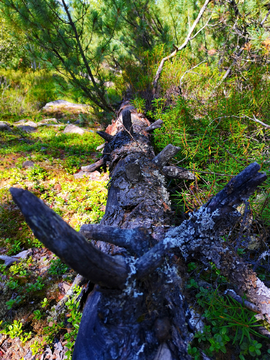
{"x": 175, "y": 172}
{"x": 93, "y": 167}
{"x": 126, "y": 118}
{"x": 165, "y": 155}
{"x": 65, "y": 242}
{"x": 136, "y": 241}
{"x": 156, "y": 125}
{"x": 105, "y": 135}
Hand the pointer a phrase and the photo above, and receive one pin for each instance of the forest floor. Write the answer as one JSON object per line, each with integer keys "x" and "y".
{"x": 44, "y": 160}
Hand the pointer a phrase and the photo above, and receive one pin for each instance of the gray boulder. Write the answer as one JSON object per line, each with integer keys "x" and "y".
{"x": 73, "y": 129}
{"x": 28, "y": 164}
{"x": 27, "y": 128}
{"x": 4, "y": 126}
{"x": 61, "y": 102}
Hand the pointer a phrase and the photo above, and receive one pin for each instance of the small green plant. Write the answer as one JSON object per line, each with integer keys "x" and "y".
{"x": 229, "y": 322}
{"x": 191, "y": 266}
{"x": 75, "y": 319}
{"x": 37, "y": 314}
{"x": 12, "y": 284}
{"x": 44, "y": 303}
{"x": 14, "y": 302}
{"x": 36, "y": 347}
{"x": 57, "y": 267}
{"x": 37, "y": 173}
{"x": 19, "y": 268}
{"x": 51, "y": 331}
{"x": 15, "y": 330}
{"x": 192, "y": 284}
{"x": 139, "y": 104}
{"x": 194, "y": 352}
{"x": 15, "y": 247}
{"x": 36, "y": 286}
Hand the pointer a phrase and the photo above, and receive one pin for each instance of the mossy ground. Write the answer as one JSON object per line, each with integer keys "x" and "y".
{"x": 24, "y": 286}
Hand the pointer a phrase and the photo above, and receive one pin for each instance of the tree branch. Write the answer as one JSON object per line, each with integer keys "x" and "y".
{"x": 188, "y": 38}
{"x": 165, "y": 155}
{"x": 176, "y": 172}
{"x": 137, "y": 240}
{"x": 65, "y": 242}
{"x": 199, "y": 237}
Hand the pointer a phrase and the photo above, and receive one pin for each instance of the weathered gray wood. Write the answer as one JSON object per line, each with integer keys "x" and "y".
{"x": 176, "y": 172}
{"x": 93, "y": 167}
{"x": 136, "y": 241}
{"x": 156, "y": 125}
{"x": 165, "y": 155}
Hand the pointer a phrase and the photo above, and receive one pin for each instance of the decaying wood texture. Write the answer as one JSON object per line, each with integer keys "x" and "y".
{"x": 137, "y": 309}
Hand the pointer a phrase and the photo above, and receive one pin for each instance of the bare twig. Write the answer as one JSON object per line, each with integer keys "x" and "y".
{"x": 187, "y": 71}
{"x": 258, "y": 121}
{"x": 206, "y": 24}
{"x": 242, "y": 301}
{"x": 241, "y": 116}
{"x": 266, "y": 16}
{"x": 187, "y": 40}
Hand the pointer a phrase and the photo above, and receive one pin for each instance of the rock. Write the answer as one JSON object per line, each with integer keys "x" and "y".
{"x": 4, "y": 126}
{"x": 9, "y": 260}
{"x": 80, "y": 174}
{"x": 25, "y": 122}
{"x": 20, "y": 122}
{"x": 62, "y": 102}
{"x": 31, "y": 123}
{"x": 95, "y": 175}
{"x": 28, "y": 164}
{"x": 73, "y": 129}
{"x": 27, "y": 128}
{"x": 47, "y": 121}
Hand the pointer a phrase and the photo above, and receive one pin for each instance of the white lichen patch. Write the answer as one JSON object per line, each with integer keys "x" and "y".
{"x": 141, "y": 349}
{"x": 188, "y": 235}
{"x": 262, "y": 290}
{"x": 196, "y": 321}
{"x": 164, "y": 193}
{"x": 169, "y": 271}
{"x": 131, "y": 283}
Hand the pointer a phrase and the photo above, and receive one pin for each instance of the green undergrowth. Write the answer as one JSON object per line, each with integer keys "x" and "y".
{"x": 31, "y": 286}
{"x": 229, "y": 327}
{"x": 24, "y": 93}
{"x": 217, "y": 129}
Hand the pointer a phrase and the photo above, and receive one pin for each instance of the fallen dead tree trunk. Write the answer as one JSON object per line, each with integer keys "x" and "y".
{"x": 137, "y": 309}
